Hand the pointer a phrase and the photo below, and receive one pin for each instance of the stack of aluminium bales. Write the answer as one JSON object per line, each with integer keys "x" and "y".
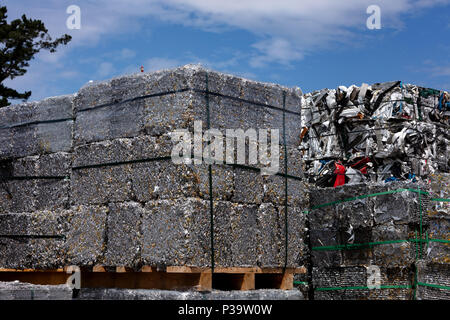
{"x": 89, "y": 179}
{"x": 356, "y": 229}
{"x": 433, "y": 270}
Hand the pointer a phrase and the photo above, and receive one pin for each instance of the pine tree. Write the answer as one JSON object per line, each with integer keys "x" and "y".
{"x": 20, "y": 40}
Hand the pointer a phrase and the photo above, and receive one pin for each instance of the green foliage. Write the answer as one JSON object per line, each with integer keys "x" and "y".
{"x": 20, "y": 40}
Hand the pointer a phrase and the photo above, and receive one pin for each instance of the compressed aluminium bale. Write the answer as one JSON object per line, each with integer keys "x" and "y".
{"x": 35, "y": 182}
{"x": 136, "y": 105}
{"x": 33, "y": 240}
{"x": 351, "y": 283}
{"x": 382, "y": 218}
{"x": 433, "y": 281}
{"x": 36, "y": 127}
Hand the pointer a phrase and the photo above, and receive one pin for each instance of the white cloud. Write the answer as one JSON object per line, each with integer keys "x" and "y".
{"x": 285, "y": 30}
{"x": 288, "y": 29}
{"x": 280, "y": 50}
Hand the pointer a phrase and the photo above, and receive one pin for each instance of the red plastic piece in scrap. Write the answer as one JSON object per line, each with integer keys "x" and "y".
{"x": 340, "y": 175}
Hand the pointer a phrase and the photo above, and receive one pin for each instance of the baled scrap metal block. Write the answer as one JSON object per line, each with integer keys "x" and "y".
{"x": 436, "y": 275}
{"x": 226, "y": 113}
{"x": 104, "y": 113}
{"x": 53, "y": 164}
{"x": 17, "y": 196}
{"x": 153, "y": 116}
{"x": 53, "y": 108}
{"x": 297, "y": 248}
{"x": 261, "y": 93}
{"x": 243, "y": 237}
{"x": 325, "y": 277}
{"x": 223, "y": 181}
{"x": 231, "y": 114}
{"x": 324, "y": 205}
{"x": 360, "y": 222}
{"x": 176, "y": 233}
{"x": 249, "y": 186}
{"x": 85, "y": 238}
{"x": 122, "y": 150}
{"x": 393, "y": 254}
{"x": 223, "y": 214}
{"x": 254, "y": 235}
{"x": 36, "y": 127}
{"x": 36, "y": 139}
{"x": 34, "y": 183}
{"x": 326, "y": 237}
{"x": 116, "y": 121}
{"x": 400, "y": 207}
{"x": 128, "y": 87}
{"x": 33, "y": 240}
{"x": 351, "y": 283}
{"x": 35, "y": 194}
{"x": 52, "y": 193}
{"x": 438, "y": 252}
{"x": 402, "y": 216}
{"x": 124, "y": 234}
{"x": 48, "y": 253}
{"x": 275, "y": 191}
{"x": 164, "y": 180}
{"x": 14, "y": 252}
{"x": 401, "y": 277}
{"x": 270, "y": 237}
{"x": 439, "y": 188}
{"x": 335, "y": 221}
{"x": 101, "y": 185}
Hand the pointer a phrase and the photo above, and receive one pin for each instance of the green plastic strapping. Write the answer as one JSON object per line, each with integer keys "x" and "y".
{"x": 420, "y": 215}
{"x": 440, "y": 200}
{"x": 355, "y": 245}
{"x": 301, "y": 282}
{"x": 364, "y": 288}
{"x": 417, "y": 249}
{"x": 367, "y": 196}
{"x": 432, "y": 285}
{"x": 351, "y": 246}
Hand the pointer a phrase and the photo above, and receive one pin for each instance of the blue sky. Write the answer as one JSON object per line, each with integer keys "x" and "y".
{"x": 311, "y": 44}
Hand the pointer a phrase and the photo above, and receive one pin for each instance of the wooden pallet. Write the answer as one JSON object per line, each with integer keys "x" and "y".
{"x": 171, "y": 278}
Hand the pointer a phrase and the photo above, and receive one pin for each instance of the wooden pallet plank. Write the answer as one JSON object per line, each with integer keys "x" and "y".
{"x": 287, "y": 281}
{"x": 42, "y": 278}
{"x": 148, "y": 269}
{"x": 98, "y": 268}
{"x": 248, "y": 281}
{"x": 205, "y": 282}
